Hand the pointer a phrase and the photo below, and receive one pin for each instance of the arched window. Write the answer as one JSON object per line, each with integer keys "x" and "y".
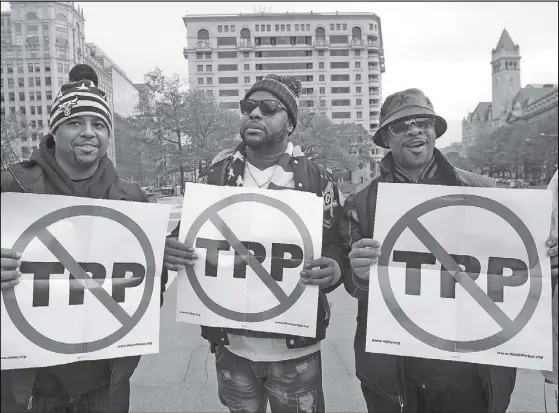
{"x": 32, "y": 26}
{"x": 245, "y": 34}
{"x": 320, "y": 33}
{"x": 31, "y": 17}
{"x": 203, "y": 34}
{"x": 61, "y": 27}
{"x": 356, "y": 33}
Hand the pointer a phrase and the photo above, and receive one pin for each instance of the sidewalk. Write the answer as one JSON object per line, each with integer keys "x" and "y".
{"x": 181, "y": 378}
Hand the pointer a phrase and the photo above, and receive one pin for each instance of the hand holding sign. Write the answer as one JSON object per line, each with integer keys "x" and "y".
{"x": 364, "y": 253}
{"x": 10, "y": 268}
{"x": 553, "y": 253}
{"x": 178, "y": 254}
{"x": 326, "y": 275}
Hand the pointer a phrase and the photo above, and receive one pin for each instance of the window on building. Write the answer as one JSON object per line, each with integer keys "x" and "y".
{"x": 48, "y": 81}
{"x": 332, "y": 26}
{"x": 22, "y": 97}
{"x": 31, "y": 81}
{"x": 49, "y": 108}
{"x": 341, "y": 102}
{"x": 232, "y": 27}
{"x": 246, "y": 54}
{"x": 200, "y": 68}
{"x": 32, "y": 110}
{"x": 209, "y": 81}
{"x": 10, "y": 68}
{"x": 357, "y": 53}
{"x": 46, "y": 55}
{"x": 269, "y": 27}
{"x": 208, "y": 68}
{"x": 247, "y": 79}
{"x": 321, "y": 78}
{"x": 358, "y": 65}
{"x": 339, "y": 78}
{"x": 11, "y": 82}
{"x": 358, "y": 78}
{"x": 358, "y": 89}
{"x": 12, "y": 111}
{"x": 339, "y": 65}
{"x": 37, "y": 81}
{"x": 60, "y": 68}
{"x": 228, "y": 92}
{"x": 344, "y": 26}
{"x": 341, "y": 115}
{"x": 288, "y": 27}
{"x": 39, "y": 110}
{"x": 307, "y": 91}
{"x": 229, "y": 67}
{"x": 227, "y": 41}
{"x": 338, "y": 39}
{"x": 336, "y": 90}
{"x": 60, "y": 81}
{"x": 296, "y": 27}
{"x": 282, "y": 27}
{"x": 257, "y": 28}
{"x": 258, "y": 78}
{"x": 358, "y": 102}
{"x": 230, "y": 54}
{"x": 338, "y": 26}
{"x": 20, "y": 67}
{"x": 40, "y": 123}
{"x": 200, "y": 80}
{"x": 322, "y": 90}
{"x": 227, "y": 80}
{"x": 39, "y": 97}
{"x": 226, "y": 29}
{"x": 208, "y": 55}
{"x": 342, "y": 52}
{"x": 308, "y": 27}
{"x": 49, "y": 94}
{"x": 219, "y": 29}
{"x": 320, "y": 53}
{"x": 247, "y": 67}
{"x": 31, "y": 95}
{"x": 321, "y": 65}
{"x": 20, "y": 82}
{"x": 199, "y": 55}
{"x": 66, "y": 68}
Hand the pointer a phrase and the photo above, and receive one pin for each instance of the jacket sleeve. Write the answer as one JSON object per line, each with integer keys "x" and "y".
{"x": 351, "y": 232}
{"x": 331, "y": 237}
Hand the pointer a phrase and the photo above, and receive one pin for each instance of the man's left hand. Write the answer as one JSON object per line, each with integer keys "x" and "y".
{"x": 326, "y": 275}
{"x": 553, "y": 253}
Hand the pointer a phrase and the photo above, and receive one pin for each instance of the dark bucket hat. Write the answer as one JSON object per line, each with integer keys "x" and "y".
{"x": 405, "y": 105}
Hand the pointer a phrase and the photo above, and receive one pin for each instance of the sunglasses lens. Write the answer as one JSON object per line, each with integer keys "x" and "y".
{"x": 424, "y": 123}
{"x": 247, "y": 106}
{"x": 399, "y": 128}
{"x": 268, "y": 107}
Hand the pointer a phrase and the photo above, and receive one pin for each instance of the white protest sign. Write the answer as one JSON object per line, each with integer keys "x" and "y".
{"x": 109, "y": 306}
{"x": 251, "y": 246}
{"x": 492, "y": 306}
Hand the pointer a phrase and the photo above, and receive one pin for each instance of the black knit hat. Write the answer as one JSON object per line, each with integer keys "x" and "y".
{"x": 78, "y": 98}
{"x": 286, "y": 88}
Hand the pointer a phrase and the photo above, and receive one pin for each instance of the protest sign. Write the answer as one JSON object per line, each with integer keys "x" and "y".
{"x": 90, "y": 281}
{"x": 463, "y": 275}
{"x": 251, "y": 246}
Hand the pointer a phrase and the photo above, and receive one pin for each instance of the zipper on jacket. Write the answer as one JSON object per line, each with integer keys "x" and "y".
{"x": 30, "y": 403}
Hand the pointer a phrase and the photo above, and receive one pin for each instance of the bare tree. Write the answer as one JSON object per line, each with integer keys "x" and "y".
{"x": 13, "y": 127}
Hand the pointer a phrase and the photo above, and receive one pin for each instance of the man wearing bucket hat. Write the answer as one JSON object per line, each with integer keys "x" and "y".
{"x": 409, "y": 127}
{"x": 71, "y": 160}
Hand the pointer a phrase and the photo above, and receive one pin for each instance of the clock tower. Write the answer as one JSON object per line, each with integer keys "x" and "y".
{"x": 505, "y": 69}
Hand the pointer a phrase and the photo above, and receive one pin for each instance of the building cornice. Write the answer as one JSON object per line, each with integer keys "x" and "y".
{"x": 277, "y": 16}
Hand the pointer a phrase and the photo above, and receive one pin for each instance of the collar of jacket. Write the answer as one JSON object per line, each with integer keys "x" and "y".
{"x": 448, "y": 172}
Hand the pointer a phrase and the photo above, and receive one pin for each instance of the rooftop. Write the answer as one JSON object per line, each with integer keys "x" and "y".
{"x": 505, "y": 42}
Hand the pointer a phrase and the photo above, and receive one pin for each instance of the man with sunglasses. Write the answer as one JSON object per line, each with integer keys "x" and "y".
{"x": 254, "y": 367}
{"x": 409, "y": 128}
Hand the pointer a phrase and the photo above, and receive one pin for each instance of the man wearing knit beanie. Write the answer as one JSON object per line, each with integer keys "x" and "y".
{"x": 71, "y": 160}
{"x": 252, "y": 367}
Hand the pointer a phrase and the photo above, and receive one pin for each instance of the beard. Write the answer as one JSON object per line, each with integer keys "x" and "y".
{"x": 269, "y": 139}
{"x": 86, "y": 163}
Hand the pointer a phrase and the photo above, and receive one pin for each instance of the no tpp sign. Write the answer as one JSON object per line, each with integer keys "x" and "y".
{"x": 461, "y": 274}
{"x": 251, "y": 246}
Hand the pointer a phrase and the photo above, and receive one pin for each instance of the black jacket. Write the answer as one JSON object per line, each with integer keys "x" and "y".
{"x": 17, "y": 385}
{"x": 309, "y": 177}
{"x": 385, "y": 374}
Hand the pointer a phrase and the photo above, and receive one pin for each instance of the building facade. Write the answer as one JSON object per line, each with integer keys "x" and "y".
{"x": 41, "y": 41}
{"x": 510, "y": 101}
{"x": 338, "y": 57}
{"x": 125, "y": 96}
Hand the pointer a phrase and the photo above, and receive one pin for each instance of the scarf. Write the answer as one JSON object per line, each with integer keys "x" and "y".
{"x": 282, "y": 176}
{"x": 57, "y": 181}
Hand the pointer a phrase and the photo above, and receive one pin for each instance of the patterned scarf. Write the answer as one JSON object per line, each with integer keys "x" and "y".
{"x": 282, "y": 177}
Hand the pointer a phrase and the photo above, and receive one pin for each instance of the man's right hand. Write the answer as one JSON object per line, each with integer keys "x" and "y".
{"x": 364, "y": 253}
{"x": 177, "y": 255}
{"x": 10, "y": 268}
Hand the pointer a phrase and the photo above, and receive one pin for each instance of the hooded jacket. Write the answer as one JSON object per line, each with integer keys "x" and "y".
{"x": 42, "y": 175}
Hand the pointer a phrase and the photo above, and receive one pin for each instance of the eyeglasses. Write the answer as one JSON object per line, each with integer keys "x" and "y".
{"x": 401, "y": 128}
{"x": 268, "y": 107}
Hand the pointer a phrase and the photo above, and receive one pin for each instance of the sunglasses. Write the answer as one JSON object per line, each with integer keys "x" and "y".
{"x": 401, "y": 128}
{"x": 267, "y": 107}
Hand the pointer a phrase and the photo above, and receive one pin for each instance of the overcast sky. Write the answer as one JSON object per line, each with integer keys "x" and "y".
{"x": 442, "y": 48}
